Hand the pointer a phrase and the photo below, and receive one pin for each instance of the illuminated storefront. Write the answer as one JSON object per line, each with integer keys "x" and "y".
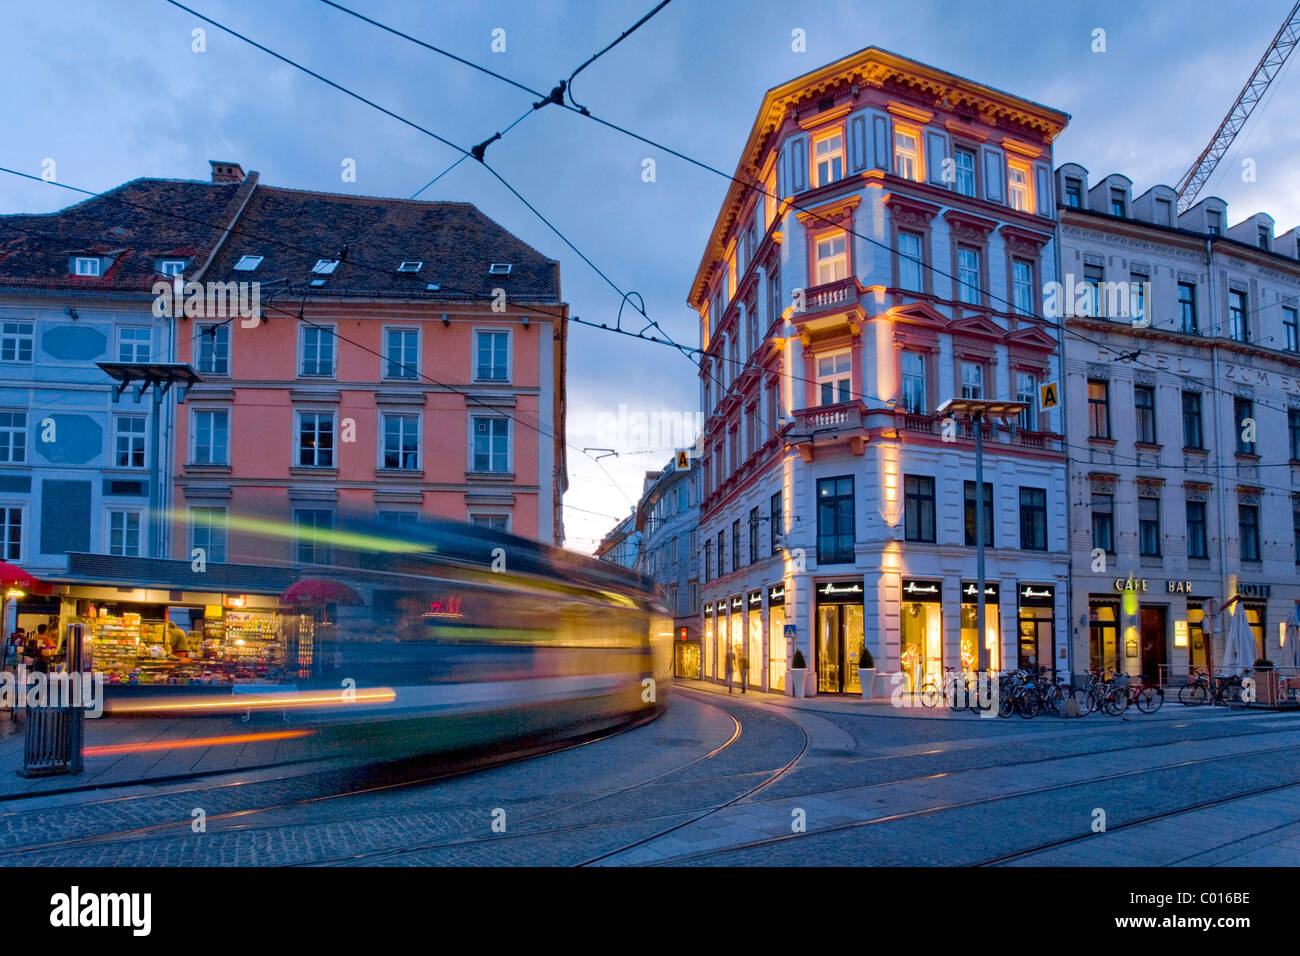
{"x": 708, "y": 642}
{"x": 686, "y": 655}
{"x": 1103, "y": 635}
{"x": 755, "y": 608}
{"x": 921, "y": 632}
{"x": 839, "y": 636}
{"x": 970, "y": 624}
{"x": 737, "y": 638}
{"x": 776, "y": 637}
{"x": 1036, "y": 608}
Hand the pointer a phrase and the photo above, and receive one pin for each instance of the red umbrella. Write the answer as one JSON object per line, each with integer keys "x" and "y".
{"x": 320, "y": 591}
{"x": 12, "y": 576}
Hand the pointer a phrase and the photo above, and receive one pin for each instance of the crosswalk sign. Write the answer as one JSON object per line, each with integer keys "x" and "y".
{"x": 1047, "y": 396}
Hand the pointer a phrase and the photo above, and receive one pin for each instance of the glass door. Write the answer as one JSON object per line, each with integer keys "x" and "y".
{"x": 708, "y": 646}
{"x": 853, "y": 640}
{"x": 1103, "y": 636}
{"x": 828, "y": 649}
{"x": 776, "y": 647}
{"x": 755, "y": 648}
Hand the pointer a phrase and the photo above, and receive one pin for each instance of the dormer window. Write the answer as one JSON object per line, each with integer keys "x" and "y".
{"x": 86, "y": 266}
{"x": 1118, "y": 202}
{"x": 1214, "y": 222}
{"x": 172, "y": 267}
{"x": 410, "y": 267}
{"x": 432, "y": 287}
{"x": 1265, "y": 237}
{"x": 499, "y": 269}
{"x": 1074, "y": 193}
{"x": 248, "y": 263}
{"x": 324, "y": 267}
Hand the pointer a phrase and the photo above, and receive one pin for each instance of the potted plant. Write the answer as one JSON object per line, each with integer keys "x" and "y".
{"x": 867, "y": 674}
{"x": 1265, "y": 681}
{"x": 798, "y": 673}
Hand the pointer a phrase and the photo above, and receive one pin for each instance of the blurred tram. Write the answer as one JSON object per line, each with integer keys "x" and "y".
{"x": 433, "y": 637}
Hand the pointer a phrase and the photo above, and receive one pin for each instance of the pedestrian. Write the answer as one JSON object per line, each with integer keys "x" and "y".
{"x": 743, "y": 662}
{"x": 730, "y": 667}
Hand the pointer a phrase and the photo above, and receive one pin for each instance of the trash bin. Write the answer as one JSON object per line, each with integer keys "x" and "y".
{"x": 53, "y": 744}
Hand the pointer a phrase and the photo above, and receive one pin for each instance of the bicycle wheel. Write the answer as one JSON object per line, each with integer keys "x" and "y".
{"x": 956, "y": 694}
{"x": 1006, "y": 703}
{"x": 1083, "y": 697}
{"x": 1149, "y": 699}
{"x": 1193, "y": 693}
{"x": 1029, "y": 703}
{"x": 1056, "y": 697}
{"x": 1116, "y": 701}
{"x": 930, "y": 694}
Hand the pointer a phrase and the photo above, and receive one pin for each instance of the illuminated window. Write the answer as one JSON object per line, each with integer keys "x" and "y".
{"x": 1019, "y": 193}
{"x": 1098, "y": 408}
{"x": 907, "y": 155}
{"x": 828, "y": 154}
{"x": 833, "y": 377}
{"x": 832, "y": 259}
{"x": 315, "y": 440}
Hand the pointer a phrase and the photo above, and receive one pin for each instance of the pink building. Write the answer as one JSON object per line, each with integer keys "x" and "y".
{"x": 409, "y": 360}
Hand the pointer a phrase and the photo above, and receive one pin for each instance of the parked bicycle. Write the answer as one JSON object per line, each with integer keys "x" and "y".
{"x": 1226, "y": 689}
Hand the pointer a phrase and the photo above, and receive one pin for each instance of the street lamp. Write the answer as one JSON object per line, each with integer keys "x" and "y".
{"x": 157, "y": 377}
{"x": 975, "y": 411}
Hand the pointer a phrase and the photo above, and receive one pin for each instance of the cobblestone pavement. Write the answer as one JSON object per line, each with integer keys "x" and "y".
{"x": 732, "y": 780}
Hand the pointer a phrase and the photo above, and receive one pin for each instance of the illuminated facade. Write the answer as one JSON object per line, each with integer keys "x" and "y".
{"x": 667, "y": 520}
{"x": 895, "y": 258}
{"x": 1182, "y": 332}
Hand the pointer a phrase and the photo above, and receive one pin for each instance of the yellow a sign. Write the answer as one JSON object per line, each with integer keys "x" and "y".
{"x": 1047, "y": 396}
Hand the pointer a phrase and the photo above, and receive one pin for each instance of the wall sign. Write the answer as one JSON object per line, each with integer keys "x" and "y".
{"x": 970, "y": 593}
{"x": 722, "y": 607}
{"x": 1037, "y": 595}
{"x": 916, "y": 590}
{"x": 755, "y": 599}
{"x": 840, "y": 592}
{"x": 1180, "y": 633}
{"x": 1142, "y": 584}
{"x": 776, "y": 595}
{"x": 708, "y": 610}
{"x": 736, "y": 605}
{"x": 1255, "y": 590}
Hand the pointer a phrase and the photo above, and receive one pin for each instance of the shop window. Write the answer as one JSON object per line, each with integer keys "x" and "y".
{"x": 13, "y": 437}
{"x": 402, "y": 354}
{"x": 1197, "y": 538}
{"x": 1103, "y": 636}
{"x": 835, "y": 520}
{"x": 776, "y": 647}
{"x": 11, "y": 533}
{"x": 214, "y": 349}
{"x": 1033, "y": 519}
{"x": 969, "y": 497}
{"x": 316, "y": 439}
{"x": 834, "y": 375}
{"x": 208, "y": 532}
{"x": 1103, "y": 522}
{"x": 832, "y": 258}
{"x": 918, "y": 508}
{"x": 1149, "y": 525}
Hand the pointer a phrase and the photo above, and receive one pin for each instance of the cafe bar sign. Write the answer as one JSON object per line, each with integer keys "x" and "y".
{"x": 914, "y": 590}
{"x": 1141, "y": 584}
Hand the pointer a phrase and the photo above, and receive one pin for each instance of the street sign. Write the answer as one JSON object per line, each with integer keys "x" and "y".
{"x": 683, "y": 460}
{"x": 1047, "y": 396}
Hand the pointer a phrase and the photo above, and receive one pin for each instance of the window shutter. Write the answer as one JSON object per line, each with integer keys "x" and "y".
{"x": 1043, "y": 189}
{"x": 994, "y": 180}
{"x": 798, "y": 149}
{"x": 858, "y": 158}
{"x": 936, "y": 151}
{"x": 884, "y": 143}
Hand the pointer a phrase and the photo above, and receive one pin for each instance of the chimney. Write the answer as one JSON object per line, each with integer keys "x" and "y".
{"x": 226, "y": 172}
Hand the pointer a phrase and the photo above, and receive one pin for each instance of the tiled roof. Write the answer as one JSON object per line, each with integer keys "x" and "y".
{"x": 138, "y": 222}
{"x": 142, "y": 221}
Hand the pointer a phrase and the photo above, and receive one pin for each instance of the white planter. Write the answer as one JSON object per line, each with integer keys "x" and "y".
{"x": 867, "y": 677}
{"x": 798, "y": 680}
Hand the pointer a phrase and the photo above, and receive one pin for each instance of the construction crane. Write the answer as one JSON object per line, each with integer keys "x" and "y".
{"x": 1265, "y": 71}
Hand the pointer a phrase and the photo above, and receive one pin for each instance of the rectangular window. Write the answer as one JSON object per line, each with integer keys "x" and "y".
{"x": 491, "y": 444}
{"x": 1074, "y": 193}
{"x": 1295, "y": 526}
{"x": 828, "y": 154}
{"x": 1197, "y": 540}
{"x": 834, "y": 375}
{"x": 214, "y": 349}
{"x": 1187, "y": 307}
{"x": 316, "y": 346}
{"x": 1214, "y": 222}
{"x": 17, "y": 341}
{"x": 492, "y": 362}
{"x": 1148, "y": 525}
{"x": 775, "y": 305}
{"x": 735, "y": 545}
{"x": 1144, "y": 404}
{"x": 128, "y": 432}
{"x": 1248, "y": 524}
{"x": 1137, "y": 294}
{"x": 1290, "y": 329}
{"x": 86, "y": 266}
{"x": 909, "y": 262}
{"x": 1022, "y": 286}
{"x": 402, "y": 354}
{"x": 1292, "y": 427}
{"x": 753, "y": 534}
{"x": 1033, "y": 519}
{"x": 1093, "y": 276}
{"x": 1020, "y": 193}
{"x": 402, "y": 441}
{"x": 835, "y": 533}
{"x": 1118, "y": 202}
{"x": 1243, "y": 410}
{"x": 1238, "y": 323}
{"x": 312, "y": 528}
{"x": 972, "y": 380}
{"x": 1164, "y": 212}
{"x": 1192, "y": 435}
{"x": 1265, "y": 238}
{"x": 1027, "y": 392}
{"x": 13, "y": 437}
{"x": 134, "y": 345}
{"x": 968, "y": 492}
{"x": 968, "y": 275}
{"x": 211, "y": 437}
{"x": 907, "y": 155}
{"x": 208, "y": 531}
{"x": 778, "y": 520}
{"x": 832, "y": 259}
{"x": 918, "y": 508}
{"x": 963, "y": 161}
{"x": 491, "y": 522}
{"x": 1098, "y": 408}
{"x": 722, "y": 549}
{"x": 914, "y": 400}
{"x": 124, "y": 534}
{"x": 1103, "y": 522}
{"x": 316, "y": 439}
{"x": 11, "y": 534}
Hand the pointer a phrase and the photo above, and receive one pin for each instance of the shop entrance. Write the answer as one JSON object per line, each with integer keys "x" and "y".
{"x": 1036, "y": 638}
{"x": 1103, "y": 635}
{"x": 839, "y": 642}
{"x": 920, "y": 652}
{"x": 1153, "y": 640}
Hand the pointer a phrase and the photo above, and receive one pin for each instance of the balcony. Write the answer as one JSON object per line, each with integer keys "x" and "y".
{"x": 825, "y": 427}
{"x": 994, "y": 433}
{"x": 841, "y": 298}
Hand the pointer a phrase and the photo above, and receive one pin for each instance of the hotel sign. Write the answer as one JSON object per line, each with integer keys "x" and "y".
{"x": 922, "y": 590}
{"x": 1255, "y": 590}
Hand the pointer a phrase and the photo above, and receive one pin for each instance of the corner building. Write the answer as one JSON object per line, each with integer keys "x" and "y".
{"x": 894, "y": 258}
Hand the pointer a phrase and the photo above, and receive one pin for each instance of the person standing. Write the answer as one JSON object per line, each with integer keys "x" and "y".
{"x": 730, "y": 666}
{"x": 743, "y": 663}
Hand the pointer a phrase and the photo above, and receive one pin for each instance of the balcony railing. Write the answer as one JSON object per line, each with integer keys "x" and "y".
{"x": 841, "y": 294}
{"x": 993, "y": 432}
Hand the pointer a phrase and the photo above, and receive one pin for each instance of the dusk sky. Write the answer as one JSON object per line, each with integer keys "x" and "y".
{"x": 112, "y": 91}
